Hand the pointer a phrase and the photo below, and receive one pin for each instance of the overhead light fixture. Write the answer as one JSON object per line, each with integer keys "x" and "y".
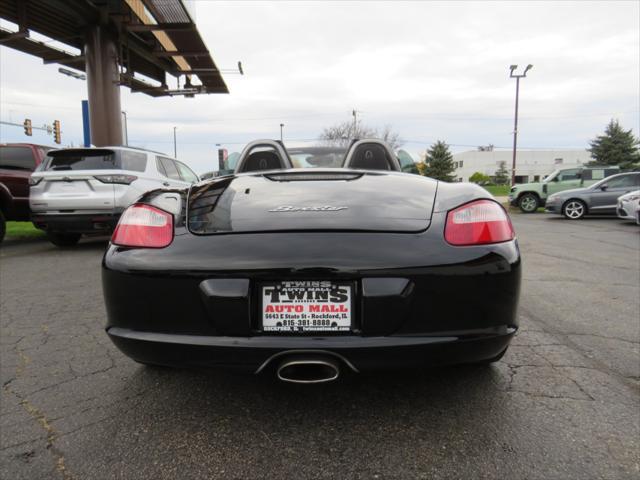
{"x": 71, "y": 73}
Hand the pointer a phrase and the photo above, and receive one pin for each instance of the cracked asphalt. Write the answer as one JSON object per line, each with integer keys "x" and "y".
{"x": 563, "y": 403}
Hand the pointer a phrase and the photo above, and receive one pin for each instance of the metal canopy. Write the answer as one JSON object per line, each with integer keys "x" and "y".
{"x": 153, "y": 37}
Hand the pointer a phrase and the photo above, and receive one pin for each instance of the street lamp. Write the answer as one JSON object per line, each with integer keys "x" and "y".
{"x": 281, "y": 127}
{"x": 512, "y": 69}
{"x": 175, "y": 146}
{"x": 125, "y": 129}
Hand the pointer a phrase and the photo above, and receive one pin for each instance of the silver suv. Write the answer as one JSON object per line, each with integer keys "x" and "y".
{"x": 78, "y": 191}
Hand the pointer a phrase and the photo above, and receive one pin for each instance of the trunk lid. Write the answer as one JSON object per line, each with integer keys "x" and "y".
{"x": 304, "y": 200}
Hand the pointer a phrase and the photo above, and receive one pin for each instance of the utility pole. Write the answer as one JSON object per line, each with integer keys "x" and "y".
{"x": 355, "y": 121}
{"x": 281, "y": 127}
{"x": 515, "y": 121}
{"x": 175, "y": 147}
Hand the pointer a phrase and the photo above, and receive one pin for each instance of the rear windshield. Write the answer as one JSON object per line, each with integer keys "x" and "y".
{"x": 96, "y": 159}
{"x": 317, "y": 157}
{"x": 17, "y": 158}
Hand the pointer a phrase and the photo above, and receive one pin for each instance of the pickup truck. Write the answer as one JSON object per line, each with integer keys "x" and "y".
{"x": 530, "y": 196}
{"x": 17, "y": 161}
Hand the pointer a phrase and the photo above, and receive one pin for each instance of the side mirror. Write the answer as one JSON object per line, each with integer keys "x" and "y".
{"x": 603, "y": 188}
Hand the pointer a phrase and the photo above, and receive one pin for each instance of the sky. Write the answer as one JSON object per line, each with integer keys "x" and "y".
{"x": 430, "y": 70}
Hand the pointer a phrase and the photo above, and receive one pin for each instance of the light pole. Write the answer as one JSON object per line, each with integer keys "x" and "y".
{"x": 125, "y": 129}
{"x": 355, "y": 121}
{"x": 515, "y": 122}
{"x": 281, "y": 127}
{"x": 175, "y": 146}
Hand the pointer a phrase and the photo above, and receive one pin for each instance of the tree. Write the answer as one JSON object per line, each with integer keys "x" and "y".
{"x": 486, "y": 148}
{"x": 341, "y": 134}
{"x": 391, "y": 137}
{"x": 616, "y": 147}
{"x": 439, "y": 162}
{"x": 501, "y": 177}
{"x": 480, "y": 178}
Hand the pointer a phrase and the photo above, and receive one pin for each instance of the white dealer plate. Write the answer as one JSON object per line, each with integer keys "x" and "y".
{"x": 306, "y": 306}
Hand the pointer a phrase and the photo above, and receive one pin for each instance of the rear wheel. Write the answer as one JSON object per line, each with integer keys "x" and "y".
{"x": 574, "y": 209}
{"x": 528, "y": 202}
{"x": 63, "y": 239}
{"x": 3, "y": 226}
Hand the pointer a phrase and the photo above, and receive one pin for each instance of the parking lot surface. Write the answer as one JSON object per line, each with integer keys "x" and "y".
{"x": 563, "y": 403}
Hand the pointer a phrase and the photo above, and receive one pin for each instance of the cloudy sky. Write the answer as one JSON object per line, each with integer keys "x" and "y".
{"x": 430, "y": 70}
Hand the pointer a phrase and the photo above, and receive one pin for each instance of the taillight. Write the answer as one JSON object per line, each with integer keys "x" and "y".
{"x": 118, "y": 178}
{"x": 478, "y": 223}
{"x": 144, "y": 226}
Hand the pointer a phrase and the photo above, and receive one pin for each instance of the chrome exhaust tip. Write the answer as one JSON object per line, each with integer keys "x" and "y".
{"x": 308, "y": 370}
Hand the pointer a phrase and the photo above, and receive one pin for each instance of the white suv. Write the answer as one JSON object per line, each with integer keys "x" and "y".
{"x": 77, "y": 191}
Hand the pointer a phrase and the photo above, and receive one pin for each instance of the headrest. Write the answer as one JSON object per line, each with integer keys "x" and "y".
{"x": 262, "y": 161}
{"x": 370, "y": 156}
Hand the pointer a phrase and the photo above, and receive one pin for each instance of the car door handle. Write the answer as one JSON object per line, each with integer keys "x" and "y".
{"x": 166, "y": 184}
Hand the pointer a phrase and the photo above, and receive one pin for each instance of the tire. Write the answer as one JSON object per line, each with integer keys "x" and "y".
{"x": 574, "y": 209}
{"x": 63, "y": 239}
{"x": 528, "y": 202}
{"x": 3, "y": 226}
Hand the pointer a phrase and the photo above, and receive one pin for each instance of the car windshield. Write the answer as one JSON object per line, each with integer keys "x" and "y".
{"x": 551, "y": 176}
{"x": 604, "y": 180}
{"x": 317, "y": 157}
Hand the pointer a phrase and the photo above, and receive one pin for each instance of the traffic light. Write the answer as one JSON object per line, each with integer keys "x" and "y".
{"x": 27, "y": 127}
{"x": 57, "y": 134}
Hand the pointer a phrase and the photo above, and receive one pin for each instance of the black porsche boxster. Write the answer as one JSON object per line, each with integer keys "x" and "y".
{"x": 309, "y": 263}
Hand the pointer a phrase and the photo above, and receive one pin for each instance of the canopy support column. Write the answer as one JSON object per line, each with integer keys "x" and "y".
{"x": 103, "y": 85}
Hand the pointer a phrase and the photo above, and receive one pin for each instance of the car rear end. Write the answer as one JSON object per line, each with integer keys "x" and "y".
{"x": 83, "y": 191}
{"x": 284, "y": 271}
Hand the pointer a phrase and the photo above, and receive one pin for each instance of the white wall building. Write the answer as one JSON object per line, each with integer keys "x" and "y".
{"x": 531, "y": 165}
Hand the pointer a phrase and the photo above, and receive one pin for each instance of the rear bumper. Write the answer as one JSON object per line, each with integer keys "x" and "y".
{"x": 77, "y": 223}
{"x": 255, "y": 354}
{"x": 417, "y": 300}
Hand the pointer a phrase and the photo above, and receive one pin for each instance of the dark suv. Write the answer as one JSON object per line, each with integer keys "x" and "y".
{"x": 17, "y": 161}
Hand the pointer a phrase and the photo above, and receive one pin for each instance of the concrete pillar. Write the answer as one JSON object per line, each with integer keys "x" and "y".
{"x": 103, "y": 77}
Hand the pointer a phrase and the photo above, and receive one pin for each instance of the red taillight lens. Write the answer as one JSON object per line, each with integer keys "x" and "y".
{"x": 478, "y": 223}
{"x": 144, "y": 226}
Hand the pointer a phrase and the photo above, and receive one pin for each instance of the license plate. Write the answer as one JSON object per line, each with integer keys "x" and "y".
{"x": 307, "y": 306}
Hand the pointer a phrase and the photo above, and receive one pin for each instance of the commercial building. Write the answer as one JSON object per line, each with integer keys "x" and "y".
{"x": 531, "y": 165}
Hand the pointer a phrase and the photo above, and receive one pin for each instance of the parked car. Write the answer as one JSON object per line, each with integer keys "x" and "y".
{"x": 79, "y": 191}
{"x": 629, "y": 206}
{"x": 531, "y": 196}
{"x": 304, "y": 273}
{"x": 17, "y": 161}
{"x": 599, "y": 199}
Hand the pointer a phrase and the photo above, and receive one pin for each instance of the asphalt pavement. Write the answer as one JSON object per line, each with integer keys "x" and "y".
{"x": 563, "y": 403}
